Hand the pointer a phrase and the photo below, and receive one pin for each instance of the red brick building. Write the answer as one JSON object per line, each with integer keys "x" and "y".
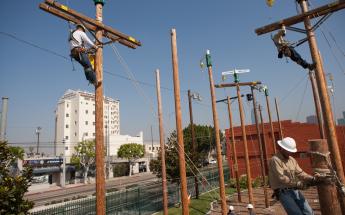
{"x": 301, "y": 132}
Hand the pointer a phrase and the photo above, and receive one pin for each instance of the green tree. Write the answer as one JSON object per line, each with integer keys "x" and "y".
{"x": 205, "y": 142}
{"x": 13, "y": 186}
{"x": 84, "y": 156}
{"x": 132, "y": 152}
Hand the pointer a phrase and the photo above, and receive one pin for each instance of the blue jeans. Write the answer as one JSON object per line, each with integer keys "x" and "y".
{"x": 83, "y": 59}
{"x": 294, "y": 203}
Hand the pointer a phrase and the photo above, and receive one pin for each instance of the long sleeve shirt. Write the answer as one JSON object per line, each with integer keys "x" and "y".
{"x": 279, "y": 40}
{"x": 80, "y": 39}
{"x": 285, "y": 173}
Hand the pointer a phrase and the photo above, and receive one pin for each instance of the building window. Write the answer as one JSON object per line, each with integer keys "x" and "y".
{"x": 66, "y": 138}
{"x": 86, "y": 111}
{"x": 94, "y": 134}
{"x": 86, "y": 122}
{"x": 66, "y": 148}
{"x": 149, "y": 148}
{"x": 67, "y": 115}
{"x": 94, "y": 123}
{"x": 93, "y": 112}
{"x": 75, "y": 111}
{"x": 86, "y": 134}
{"x": 75, "y": 122}
{"x": 67, "y": 126}
{"x": 67, "y": 105}
{"x": 75, "y": 134}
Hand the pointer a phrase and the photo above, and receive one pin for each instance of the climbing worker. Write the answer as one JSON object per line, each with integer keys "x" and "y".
{"x": 250, "y": 208}
{"x": 286, "y": 49}
{"x": 80, "y": 45}
{"x": 231, "y": 210}
{"x": 286, "y": 178}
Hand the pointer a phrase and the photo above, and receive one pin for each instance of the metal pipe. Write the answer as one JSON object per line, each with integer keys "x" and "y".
{"x": 3, "y": 122}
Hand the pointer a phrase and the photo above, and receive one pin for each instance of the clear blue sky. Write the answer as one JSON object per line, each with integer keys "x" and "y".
{"x": 34, "y": 80}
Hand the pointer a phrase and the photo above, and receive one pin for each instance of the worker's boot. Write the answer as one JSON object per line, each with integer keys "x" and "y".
{"x": 91, "y": 76}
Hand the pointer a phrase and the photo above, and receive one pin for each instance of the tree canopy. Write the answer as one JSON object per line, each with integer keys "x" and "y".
{"x": 131, "y": 152}
{"x": 13, "y": 186}
{"x": 205, "y": 142}
{"x": 84, "y": 156}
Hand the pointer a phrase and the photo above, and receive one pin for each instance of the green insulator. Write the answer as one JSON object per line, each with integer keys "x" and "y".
{"x": 99, "y": 2}
{"x": 266, "y": 92}
{"x": 208, "y": 60}
{"x": 236, "y": 77}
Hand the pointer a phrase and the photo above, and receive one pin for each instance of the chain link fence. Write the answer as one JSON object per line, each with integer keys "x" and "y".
{"x": 140, "y": 200}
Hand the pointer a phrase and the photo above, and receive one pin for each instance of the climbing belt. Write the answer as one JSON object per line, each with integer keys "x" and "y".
{"x": 330, "y": 171}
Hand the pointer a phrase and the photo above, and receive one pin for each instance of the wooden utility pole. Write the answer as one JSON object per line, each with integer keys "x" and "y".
{"x": 100, "y": 180}
{"x": 262, "y": 164}
{"x": 245, "y": 144}
{"x": 234, "y": 153}
{"x": 264, "y": 148}
{"x": 216, "y": 133}
{"x": 162, "y": 145}
{"x": 96, "y": 26}
{"x": 270, "y": 120}
{"x": 329, "y": 125}
{"x": 317, "y": 104}
{"x": 179, "y": 131}
{"x": 278, "y": 118}
{"x": 325, "y": 103}
{"x": 237, "y": 84}
{"x": 327, "y": 192}
{"x": 196, "y": 187}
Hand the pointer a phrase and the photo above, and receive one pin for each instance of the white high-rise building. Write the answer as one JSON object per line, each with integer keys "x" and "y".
{"x": 75, "y": 120}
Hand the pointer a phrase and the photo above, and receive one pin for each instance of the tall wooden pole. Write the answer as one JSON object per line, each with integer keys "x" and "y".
{"x": 262, "y": 164}
{"x": 161, "y": 141}
{"x": 234, "y": 154}
{"x": 317, "y": 104}
{"x": 278, "y": 118}
{"x": 327, "y": 192}
{"x": 325, "y": 104}
{"x": 216, "y": 131}
{"x": 182, "y": 161}
{"x": 264, "y": 148}
{"x": 100, "y": 180}
{"x": 270, "y": 120}
{"x": 196, "y": 187}
{"x": 246, "y": 155}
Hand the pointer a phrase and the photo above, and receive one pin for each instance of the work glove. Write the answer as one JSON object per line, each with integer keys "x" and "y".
{"x": 323, "y": 178}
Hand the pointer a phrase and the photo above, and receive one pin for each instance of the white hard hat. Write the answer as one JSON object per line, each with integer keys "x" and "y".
{"x": 231, "y": 207}
{"x": 288, "y": 144}
{"x": 250, "y": 206}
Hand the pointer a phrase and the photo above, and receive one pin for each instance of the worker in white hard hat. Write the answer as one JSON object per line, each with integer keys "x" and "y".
{"x": 231, "y": 210}
{"x": 285, "y": 48}
{"x": 286, "y": 178}
{"x": 250, "y": 208}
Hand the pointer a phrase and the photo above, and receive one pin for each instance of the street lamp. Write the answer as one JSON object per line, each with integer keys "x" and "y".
{"x": 194, "y": 96}
{"x": 38, "y": 131}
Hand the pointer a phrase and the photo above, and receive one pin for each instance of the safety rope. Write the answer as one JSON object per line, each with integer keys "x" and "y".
{"x": 340, "y": 186}
{"x": 150, "y": 103}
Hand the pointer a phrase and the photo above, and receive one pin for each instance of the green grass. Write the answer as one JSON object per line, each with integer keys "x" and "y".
{"x": 201, "y": 205}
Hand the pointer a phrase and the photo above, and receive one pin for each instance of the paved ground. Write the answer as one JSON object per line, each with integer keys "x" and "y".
{"x": 259, "y": 199}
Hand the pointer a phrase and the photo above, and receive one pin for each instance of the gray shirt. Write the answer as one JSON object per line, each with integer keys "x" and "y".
{"x": 80, "y": 39}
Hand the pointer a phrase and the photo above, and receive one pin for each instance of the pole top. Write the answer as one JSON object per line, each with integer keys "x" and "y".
{"x": 102, "y": 2}
{"x": 207, "y": 51}
{"x": 3, "y": 98}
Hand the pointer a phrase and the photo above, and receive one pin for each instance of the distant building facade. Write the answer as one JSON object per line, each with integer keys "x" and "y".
{"x": 312, "y": 119}
{"x": 75, "y": 122}
{"x": 341, "y": 121}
